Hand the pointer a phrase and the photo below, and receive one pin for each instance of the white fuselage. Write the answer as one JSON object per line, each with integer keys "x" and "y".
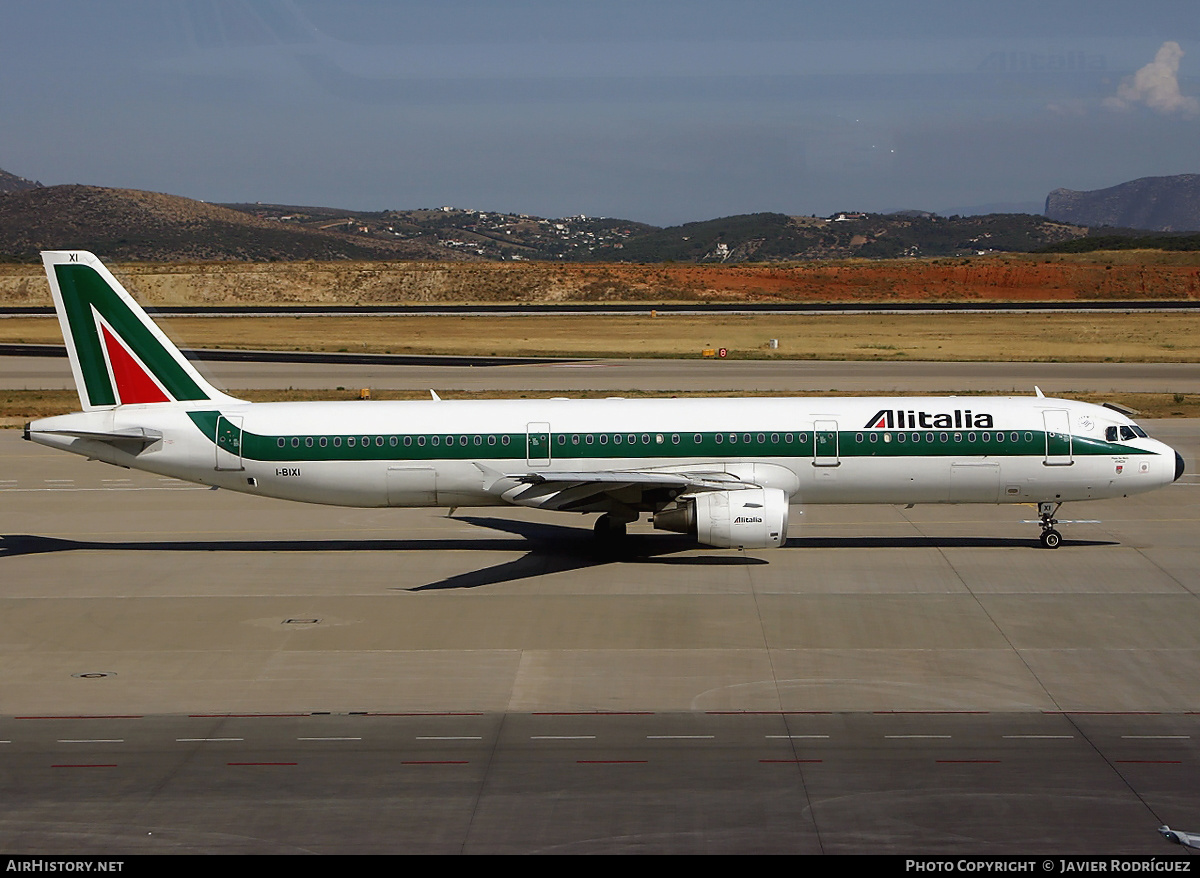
{"x": 458, "y": 453}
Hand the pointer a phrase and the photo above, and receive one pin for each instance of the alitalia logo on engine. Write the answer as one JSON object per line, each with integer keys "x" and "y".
{"x": 747, "y": 519}
{"x": 900, "y": 419}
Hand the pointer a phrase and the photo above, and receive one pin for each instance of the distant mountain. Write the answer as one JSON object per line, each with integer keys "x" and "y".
{"x": 1165, "y": 204}
{"x": 1032, "y": 207}
{"x": 773, "y": 237}
{"x": 131, "y": 225}
{"x": 13, "y": 183}
{"x": 488, "y": 234}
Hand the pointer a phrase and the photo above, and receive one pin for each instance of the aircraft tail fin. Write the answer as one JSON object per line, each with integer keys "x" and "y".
{"x": 118, "y": 355}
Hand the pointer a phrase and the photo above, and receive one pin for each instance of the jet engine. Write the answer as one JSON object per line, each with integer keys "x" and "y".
{"x": 746, "y": 518}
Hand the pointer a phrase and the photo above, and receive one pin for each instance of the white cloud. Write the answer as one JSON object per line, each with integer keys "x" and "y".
{"x": 1157, "y": 86}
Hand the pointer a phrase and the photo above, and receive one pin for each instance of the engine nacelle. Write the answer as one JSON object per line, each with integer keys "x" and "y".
{"x": 747, "y": 518}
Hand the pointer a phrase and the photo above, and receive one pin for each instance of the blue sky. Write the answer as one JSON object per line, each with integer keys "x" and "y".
{"x": 663, "y": 112}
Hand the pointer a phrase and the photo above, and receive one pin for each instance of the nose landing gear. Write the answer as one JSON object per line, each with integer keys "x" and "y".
{"x": 1050, "y": 537}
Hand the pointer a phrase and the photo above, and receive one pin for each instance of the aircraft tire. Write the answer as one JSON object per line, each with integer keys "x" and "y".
{"x": 609, "y": 529}
{"x": 1051, "y": 538}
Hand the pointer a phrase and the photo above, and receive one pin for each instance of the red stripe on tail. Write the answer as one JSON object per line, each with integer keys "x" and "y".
{"x": 134, "y": 384}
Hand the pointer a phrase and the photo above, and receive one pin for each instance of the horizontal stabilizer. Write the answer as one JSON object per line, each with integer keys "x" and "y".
{"x": 131, "y": 435}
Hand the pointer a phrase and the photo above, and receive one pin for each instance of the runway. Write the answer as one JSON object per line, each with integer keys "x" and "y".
{"x": 192, "y": 670}
{"x": 667, "y": 376}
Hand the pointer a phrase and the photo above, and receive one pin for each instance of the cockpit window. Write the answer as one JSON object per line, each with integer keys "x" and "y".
{"x": 1133, "y": 431}
{"x": 1110, "y": 433}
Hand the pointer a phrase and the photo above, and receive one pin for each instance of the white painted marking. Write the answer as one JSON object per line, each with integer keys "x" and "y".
{"x": 793, "y": 737}
{"x": 331, "y": 738}
{"x": 678, "y": 737}
{"x": 91, "y": 740}
{"x": 1041, "y": 737}
{"x": 202, "y": 740}
{"x": 1157, "y": 737}
{"x": 562, "y": 737}
{"x": 65, "y": 490}
{"x": 449, "y": 737}
{"x": 918, "y": 736}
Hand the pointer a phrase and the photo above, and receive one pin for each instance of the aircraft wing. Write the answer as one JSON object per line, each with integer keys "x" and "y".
{"x": 603, "y": 490}
{"x": 1187, "y": 839}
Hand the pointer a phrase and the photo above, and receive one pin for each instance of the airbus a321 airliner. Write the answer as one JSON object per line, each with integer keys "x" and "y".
{"x": 723, "y": 470}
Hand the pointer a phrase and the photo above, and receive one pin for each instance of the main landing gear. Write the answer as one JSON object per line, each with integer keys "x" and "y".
{"x": 1050, "y": 537}
{"x": 609, "y": 528}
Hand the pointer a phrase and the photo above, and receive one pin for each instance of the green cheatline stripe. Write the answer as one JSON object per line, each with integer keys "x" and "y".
{"x": 83, "y": 289}
{"x": 451, "y": 446}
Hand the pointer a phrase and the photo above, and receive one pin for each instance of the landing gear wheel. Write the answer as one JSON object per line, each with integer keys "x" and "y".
{"x": 609, "y": 529}
{"x": 1050, "y": 537}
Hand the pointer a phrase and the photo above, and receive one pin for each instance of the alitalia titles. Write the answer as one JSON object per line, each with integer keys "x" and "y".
{"x": 902, "y": 419}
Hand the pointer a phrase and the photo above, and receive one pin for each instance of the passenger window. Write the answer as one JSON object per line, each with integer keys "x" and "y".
{"x": 698, "y": 438}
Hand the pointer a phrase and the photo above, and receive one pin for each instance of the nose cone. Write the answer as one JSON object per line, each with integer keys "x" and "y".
{"x": 1178, "y": 465}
